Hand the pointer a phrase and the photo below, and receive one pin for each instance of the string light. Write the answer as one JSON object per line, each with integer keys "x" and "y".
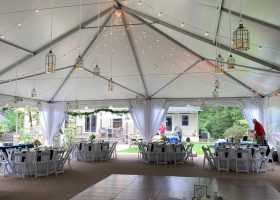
{"x": 182, "y": 24}
{"x": 206, "y": 33}
{"x": 118, "y": 13}
{"x": 159, "y": 14}
{"x": 260, "y": 48}
{"x": 33, "y": 93}
{"x": 36, "y": 10}
{"x": 19, "y": 24}
{"x": 139, "y": 2}
{"x": 2, "y": 36}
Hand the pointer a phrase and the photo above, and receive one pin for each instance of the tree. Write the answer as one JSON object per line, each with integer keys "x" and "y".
{"x": 12, "y": 117}
{"x": 216, "y": 120}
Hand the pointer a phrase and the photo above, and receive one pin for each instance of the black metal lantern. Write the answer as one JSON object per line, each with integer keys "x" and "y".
{"x": 217, "y": 84}
{"x": 215, "y": 94}
{"x": 110, "y": 85}
{"x": 33, "y": 93}
{"x": 241, "y": 38}
{"x": 79, "y": 63}
{"x": 219, "y": 65}
{"x": 50, "y": 62}
{"x": 96, "y": 70}
{"x": 230, "y": 62}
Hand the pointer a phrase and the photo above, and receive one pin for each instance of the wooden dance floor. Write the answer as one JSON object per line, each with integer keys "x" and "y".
{"x": 126, "y": 187}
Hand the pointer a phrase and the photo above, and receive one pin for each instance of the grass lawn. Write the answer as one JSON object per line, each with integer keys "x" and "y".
{"x": 197, "y": 148}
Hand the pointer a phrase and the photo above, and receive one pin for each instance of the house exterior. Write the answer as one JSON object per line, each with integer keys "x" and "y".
{"x": 106, "y": 125}
{"x": 184, "y": 119}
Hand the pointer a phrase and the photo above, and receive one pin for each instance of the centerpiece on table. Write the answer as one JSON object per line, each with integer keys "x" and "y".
{"x": 36, "y": 143}
{"x": 92, "y": 138}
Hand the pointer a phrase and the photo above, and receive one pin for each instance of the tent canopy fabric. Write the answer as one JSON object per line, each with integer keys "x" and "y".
{"x": 154, "y": 49}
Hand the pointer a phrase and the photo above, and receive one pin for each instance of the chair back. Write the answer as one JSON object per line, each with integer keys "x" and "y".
{"x": 223, "y": 153}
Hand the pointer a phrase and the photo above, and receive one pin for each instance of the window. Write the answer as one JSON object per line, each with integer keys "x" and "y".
{"x": 90, "y": 123}
{"x": 168, "y": 123}
{"x": 185, "y": 120}
{"x": 117, "y": 123}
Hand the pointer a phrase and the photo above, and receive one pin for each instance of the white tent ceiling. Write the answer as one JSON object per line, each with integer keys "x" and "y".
{"x": 151, "y": 56}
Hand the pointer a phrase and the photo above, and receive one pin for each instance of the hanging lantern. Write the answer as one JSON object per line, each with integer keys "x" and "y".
{"x": 241, "y": 38}
{"x": 231, "y": 62}
{"x": 96, "y": 70}
{"x": 215, "y": 94}
{"x": 219, "y": 65}
{"x": 217, "y": 84}
{"x": 118, "y": 13}
{"x": 110, "y": 85}
{"x": 33, "y": 93}
{"x": 79, "y": 63}
{"x": 50, "y": 62}
{"x": 203, "y": 105}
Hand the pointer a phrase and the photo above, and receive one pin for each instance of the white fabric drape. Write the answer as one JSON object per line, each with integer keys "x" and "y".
{"x": 252, "y": 109}
{"x": 148, "y": 115}
{"x": 52, "y": 116}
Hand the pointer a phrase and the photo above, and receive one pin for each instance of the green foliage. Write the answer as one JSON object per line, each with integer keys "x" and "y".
{"x": 92, "y": 137}
{"x": 71, "y": 130}
{"x": 24, "y": 136}
{"x": 97, "y": 111}
{"x": 9, "y": 123}
{"x": 217, "y": 120}
{"x": 234, "y": 131}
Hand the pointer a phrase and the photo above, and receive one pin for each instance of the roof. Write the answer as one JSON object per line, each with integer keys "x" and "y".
{"x": 155, "y": 49}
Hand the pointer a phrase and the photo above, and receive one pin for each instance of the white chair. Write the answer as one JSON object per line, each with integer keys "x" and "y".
{"x": 104, "y": 150}
{"x": 161, "y": 154}
{"x": 223, "y": 159}
{"x": 10, "y": 152}
{"x": 241, "y": 158}
{"x": 52, "y": 162}
{"x": 61, "y": 161}
{"x": 40, "y": 164}
{"x": 59, "y": 166}
{"x": 258, "y": 161}
{"x": 87, "y": 151}
{"x": 209, "y": 157}
{"x": 5, "y": 164}
{"x": 20, "y": 164}
{"x": 179, "y": 154}
{"x": 112, "y": 151}
{"x": 269, "y": 157}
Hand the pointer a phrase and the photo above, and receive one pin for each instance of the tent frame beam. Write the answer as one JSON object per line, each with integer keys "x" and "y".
{"x": 132, "y": 47}
{"x": 200, "y": 38}
{"x": 187, "y": 49}
{"x": 175, "y": 78}
{"x": 218, "y": 20}
{"x": 263, "y": 23}
{"x": 55, "y": 41}
{"x": 83, "y": 55}
{"x": 33, "y": 75}
{"x": 118, "y": 84}
{"x": 17, "y": 46}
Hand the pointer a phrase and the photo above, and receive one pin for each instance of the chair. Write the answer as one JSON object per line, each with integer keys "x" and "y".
{"x": 209, "y": 157}
{"x": 179, "y": 154}
{"x": 241, "y": 158}
{"x": 112, "y": 151}
{"x": 188, "y": 150}
{"x": 87, "y": 151}
{"x": 212, "y": 148}
{"x": 20, "y": 164}
{"x": 40, "y": 164}
{"x": 269, "y": 157}
{"x": 58, "y": 158}
{"x": 10, "y": 152}
{"x": 223, "y": 159}
{"x": 104, "y": 150}
{"x": 161, "y": 154}
{"x": 4, "y": 163}
{"x": 258, "y": 162}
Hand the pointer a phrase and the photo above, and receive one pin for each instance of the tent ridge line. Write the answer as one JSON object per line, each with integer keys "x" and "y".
{"x": 200, "y": 38}
{"x": 187, "y": 49}
{"x": 175, "y": 78}
{"x": 132, "y": 47}
{"x": 46, "y": 46}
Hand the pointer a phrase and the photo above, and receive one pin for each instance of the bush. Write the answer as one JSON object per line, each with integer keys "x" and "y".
{"x": 234, "y": 131}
